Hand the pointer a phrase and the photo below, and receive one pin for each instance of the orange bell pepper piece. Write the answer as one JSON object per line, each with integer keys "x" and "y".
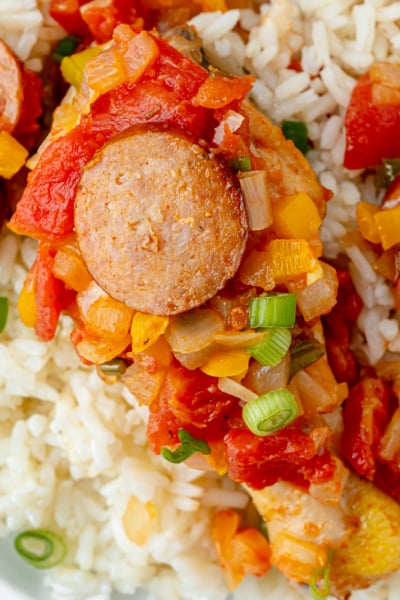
{"x": 296, "y": 216}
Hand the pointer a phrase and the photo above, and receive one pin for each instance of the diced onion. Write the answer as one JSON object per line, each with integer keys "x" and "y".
{"x": 271, "y": 412}
{"x": 256, "y": 198}
{"x": 236, "y": 389}
{"x": 273, "y": 347}
{"x": 193, "y": 330}
{"x": 274, "y": 310}
{"x": 239, "y": 339}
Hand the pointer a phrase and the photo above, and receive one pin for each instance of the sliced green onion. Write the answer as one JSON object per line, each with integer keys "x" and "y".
{"x": 189, "y": 445}
{"x": 274, "y": 310}
{"x": 241, "y": 163}
{"x": 387, "y": 172}
{"x": 273, "y": 347}
{"x": 270, "y": 412}
{"x": 3, "y": 312}
{"x": 321, "y": 590}
{"x": 65, "y": 47}
{"x": 304, "y": 353}
{"x": 263, "y": 527}
{"x": 116, "y": 367}
{"x": 41, "y": 548}
{"x": 298, "y": 133}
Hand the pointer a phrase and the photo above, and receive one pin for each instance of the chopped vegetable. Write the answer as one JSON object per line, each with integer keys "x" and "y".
{"x": 372, "y": 124}
{"x": 3, "y": 312}
{"x": 12, "y": 155}
{"x": 65, "y": 47}
{"x": 189, "y": 445}
{"x": 271, "y": 412}
{"x": 273, "y": 347}
{"x": 146, "y": 329}
{"x": 321, "y": 574}
{"x": 227, "y": 363}
{"x": 72, "y": 67}
{"x": 290, "y": 260}
{"x": 388, "y": 225}
{"x": 218, "y": 90}
{"x": 297, "y": 132}
{"x": 41, "y": 548}
{"x": 304, "y": 353}
{"x": 117, "y": 367}
{"x": 256, "y": 199}
{"x": 296, "y": 216}
{"x": 274, "y": 310}
{"x": 241, "y": 163}
{"x": 365, "y": 212}
{"x": 387, "y": 172}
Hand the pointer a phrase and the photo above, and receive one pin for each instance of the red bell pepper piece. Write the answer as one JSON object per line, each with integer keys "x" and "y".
{"x": 372, "y": 130}
{"x": 365, "y": 416}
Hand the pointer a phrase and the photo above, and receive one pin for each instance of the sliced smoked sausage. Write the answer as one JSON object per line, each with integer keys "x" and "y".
{"x": 160, "y": 220}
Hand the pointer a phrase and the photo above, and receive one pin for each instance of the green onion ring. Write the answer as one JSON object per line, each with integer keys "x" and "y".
{"x": 270, "y": 412}
{"x": 41, "y": 548}
{"x": 273, "y": 310}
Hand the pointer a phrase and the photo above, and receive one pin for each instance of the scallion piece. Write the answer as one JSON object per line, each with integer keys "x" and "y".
{"x": 322, "y": 575}
{"x": 298, "y": 133}
{"x": 241, "y": 163}
{"x": 41, "y": 548}
{"x": 116, "y": 367}
{"x": 274, "y": 310}
{"x": 65, "y": 47}
{"x": 304, "y": 353}
{"x": 189, "y": 445}
{"x": 273, "y": 346}
{"x": 387, "y": 172}
{"x": 3, "y": 312}
{"x": 270, "y": 412}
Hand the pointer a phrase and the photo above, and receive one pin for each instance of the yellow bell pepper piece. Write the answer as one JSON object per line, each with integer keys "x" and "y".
{"x": 290, "y": 259}
{"x": 12, "y": 155}
{"x": 296, "y": 216}
{"x": 227, "y": 364}
{"x": 365, "y": 212}
{"x": 26, "y": 304}
{"x": 388, "y": 225}
{"x": 146, "y": 329}
{"x": 72, "y": 67}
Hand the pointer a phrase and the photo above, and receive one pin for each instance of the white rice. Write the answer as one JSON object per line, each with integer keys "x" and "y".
{"x": 73, "y": 450}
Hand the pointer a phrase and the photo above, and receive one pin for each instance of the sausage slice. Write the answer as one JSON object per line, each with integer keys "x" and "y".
{"x": 160, "y": 221}
{"x": 11, "y": 91}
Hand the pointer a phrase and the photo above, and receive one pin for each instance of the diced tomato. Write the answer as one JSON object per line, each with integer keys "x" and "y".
{"x": 190, "y": 400}
{"x": 372, "y": 130}
{"x": 67, "y": 14}
{"x": 50, "y": 294}
{"x": 163, "y": 96}
{"x": 102, "y": 18}
{"x": 338, "y": 326}
{"x": 288, "y": 455}
{"x": 27, "y": 129}
{"x": 219, "y": 91}
{"x": 366, "y": 414}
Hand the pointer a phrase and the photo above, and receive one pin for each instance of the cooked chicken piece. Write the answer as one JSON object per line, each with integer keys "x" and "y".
{"x": 363, "y": 531}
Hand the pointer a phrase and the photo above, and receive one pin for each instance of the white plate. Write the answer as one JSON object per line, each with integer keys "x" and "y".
{"x": 20, "y": 581}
